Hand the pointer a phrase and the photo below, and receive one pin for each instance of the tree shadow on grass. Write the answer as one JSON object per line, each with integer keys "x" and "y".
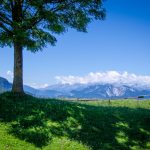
{"x": 100, "y": 127}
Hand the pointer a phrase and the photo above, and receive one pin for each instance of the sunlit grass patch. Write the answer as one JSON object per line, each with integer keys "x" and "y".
{"x": 64, "y": 143}
{"x": 121, "y": 137}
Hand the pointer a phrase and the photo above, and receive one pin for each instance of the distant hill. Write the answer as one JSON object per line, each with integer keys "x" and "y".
{"x": 99, "y": 90}
{"x": 4, "y": 85}
{"x": 109, "y": 91}
{"x": 82, "y": 90}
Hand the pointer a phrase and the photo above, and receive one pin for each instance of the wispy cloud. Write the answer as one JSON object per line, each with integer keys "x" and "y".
{"x": 106, "y": 77}
{"x": 10, "y": 74}
{"x": 38, "y": 86}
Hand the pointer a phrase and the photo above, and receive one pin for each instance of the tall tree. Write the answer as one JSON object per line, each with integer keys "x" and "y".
{"x": 31, "y": 24}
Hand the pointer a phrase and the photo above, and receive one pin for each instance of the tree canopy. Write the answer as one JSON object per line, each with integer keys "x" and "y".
{"x": 34, "y": 23}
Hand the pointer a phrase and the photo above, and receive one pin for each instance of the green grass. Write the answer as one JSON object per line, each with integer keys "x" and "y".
{"x": 28, "y": 123}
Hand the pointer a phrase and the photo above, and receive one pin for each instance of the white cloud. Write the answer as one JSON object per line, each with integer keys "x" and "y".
{"x": 106, "y": 77}
{"x": 38, "y": 86}
{"x": 10, "y": 74}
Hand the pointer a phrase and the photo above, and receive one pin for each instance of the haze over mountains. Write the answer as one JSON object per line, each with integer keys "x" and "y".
{"x": 98, "y": 90}
{"x": 88, "y": 90}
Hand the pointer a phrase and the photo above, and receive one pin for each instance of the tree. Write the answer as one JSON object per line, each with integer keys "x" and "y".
{"x": 31, "y": 24}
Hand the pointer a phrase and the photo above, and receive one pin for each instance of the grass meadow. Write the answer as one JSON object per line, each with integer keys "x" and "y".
{"x": 28, "y": 123}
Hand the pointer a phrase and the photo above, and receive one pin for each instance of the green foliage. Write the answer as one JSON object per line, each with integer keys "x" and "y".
{"x": 33, "y": 23}
{"x": 57, "y": 124}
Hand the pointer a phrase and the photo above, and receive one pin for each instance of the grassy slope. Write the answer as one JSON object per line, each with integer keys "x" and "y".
{"x": 27, "y": 123}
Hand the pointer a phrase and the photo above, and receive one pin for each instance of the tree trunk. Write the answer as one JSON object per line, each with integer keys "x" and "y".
{"x": 18, "y": 69}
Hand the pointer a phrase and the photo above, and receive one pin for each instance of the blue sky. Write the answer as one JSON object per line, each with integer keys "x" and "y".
{"x": 120, "y": 43}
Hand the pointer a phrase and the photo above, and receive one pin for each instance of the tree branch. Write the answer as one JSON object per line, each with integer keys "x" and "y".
{"x": 4, "y": 19}
{"x": 5, "y": 28}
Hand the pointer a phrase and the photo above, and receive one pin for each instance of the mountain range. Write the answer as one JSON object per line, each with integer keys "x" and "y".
{"x": 88, "y": 91}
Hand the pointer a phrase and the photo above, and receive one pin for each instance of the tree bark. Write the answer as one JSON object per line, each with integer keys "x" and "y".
{"x": 18, "y": 69}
